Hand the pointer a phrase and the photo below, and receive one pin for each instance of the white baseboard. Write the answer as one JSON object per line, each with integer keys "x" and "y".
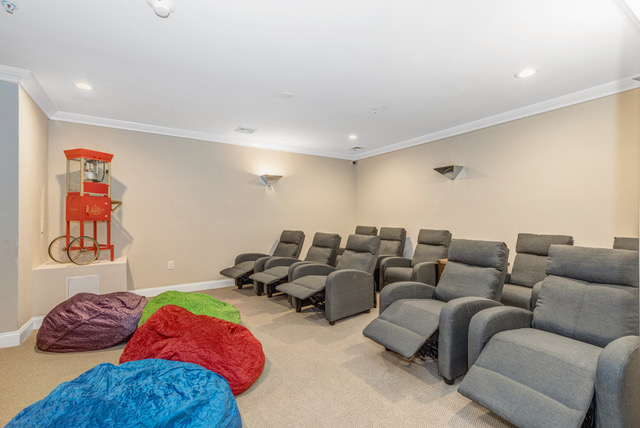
{"x": 15, "y": 338}
{"x": 195, "y": 286}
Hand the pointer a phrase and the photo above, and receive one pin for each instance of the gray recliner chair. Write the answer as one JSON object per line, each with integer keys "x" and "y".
{"x": 432, "y": 245}
{"x": 392, "y": 241}
{"x": 360, "y": 230}
{"x": 324, "y": 249}
{"x": 625, "y": 243}
{"x": 420, "y": 318}
{"x": 577, "y": 353}
{"x": 345, "y": 290}
{"x": 529, "y": 267}
{"x": 289, "y": 245}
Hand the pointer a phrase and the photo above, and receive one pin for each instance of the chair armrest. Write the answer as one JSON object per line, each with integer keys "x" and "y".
{"x": 490, "y": 321}
{"x": 246, "y": 257}
{"x": 347, "y": 292}
{"x": 294, "y": 266}
{"x": 455, "y": 317}
{"x": 280, "y": 261}
{"x": 618, "y": 383}
{"x": 507, "y": 278}
{"x": 425, "y": 272}
{"x": 388, "y": 262}
{"x": 534, "y": 294}
{"x": 259, "y": 266}
{"x": 404, "y": 290}
{"x": 304, "y": 269}
{"x": 394, "y": 261}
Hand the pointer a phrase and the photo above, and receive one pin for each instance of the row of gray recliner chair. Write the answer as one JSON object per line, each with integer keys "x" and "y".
{"x": 341, "y": 289}
{"x": 572, "y": 350}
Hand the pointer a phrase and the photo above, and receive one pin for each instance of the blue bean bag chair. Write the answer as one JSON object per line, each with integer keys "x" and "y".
{"x": 146, "y": 393}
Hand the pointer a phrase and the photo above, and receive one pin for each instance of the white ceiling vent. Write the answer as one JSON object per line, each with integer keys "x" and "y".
{"x": 356, "y": 148}
{"x": 243, "y": 130}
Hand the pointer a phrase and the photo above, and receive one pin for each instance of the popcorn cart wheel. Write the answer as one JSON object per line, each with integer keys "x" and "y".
{"x": 81, "y": 251}
{"x": 58, "y": 249}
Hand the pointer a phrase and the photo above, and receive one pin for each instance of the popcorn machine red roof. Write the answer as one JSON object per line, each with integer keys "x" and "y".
{"x": 88, "y": 200}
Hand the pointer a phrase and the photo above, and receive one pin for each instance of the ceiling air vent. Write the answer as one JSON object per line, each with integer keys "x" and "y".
{"x": 243, "y": 130}
{"x": 356, "y": 148}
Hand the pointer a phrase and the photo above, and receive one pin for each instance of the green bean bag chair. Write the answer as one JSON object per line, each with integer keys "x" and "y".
{"x": 196, "y": 303}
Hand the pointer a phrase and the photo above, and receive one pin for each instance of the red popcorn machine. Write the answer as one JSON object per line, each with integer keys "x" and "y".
{"x": 88, "y": 200}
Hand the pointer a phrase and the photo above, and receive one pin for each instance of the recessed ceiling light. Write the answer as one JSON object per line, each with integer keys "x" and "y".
{"x": 286, "y": 94}
{"x": 527, "y": 72}
{"x": 162, "y": 8}
{"x": 84, "y": 86}
{"x": 353, "y": 137}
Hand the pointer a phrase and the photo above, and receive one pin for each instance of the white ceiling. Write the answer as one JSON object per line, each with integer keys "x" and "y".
{"x": 396, "y": 73}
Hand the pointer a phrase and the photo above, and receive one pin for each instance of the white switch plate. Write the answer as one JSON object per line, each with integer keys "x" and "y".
{"x": 170, "y": 265}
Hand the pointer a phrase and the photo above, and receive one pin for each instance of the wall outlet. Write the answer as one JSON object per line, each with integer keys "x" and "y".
{"x": 170, "y": 264}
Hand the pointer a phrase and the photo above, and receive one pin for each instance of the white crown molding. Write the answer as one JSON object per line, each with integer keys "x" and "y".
{"x": 183, "y": 133}
{"x": 604, "y": 90}
{"x": 12, "y": 74}
{"x": 628, "y": 13}
{"x": 15, "y": 338}
{"x": 30, "y": 84}
{"x": 32, "y": 87}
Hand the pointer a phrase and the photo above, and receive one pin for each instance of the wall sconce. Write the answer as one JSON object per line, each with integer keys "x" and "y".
{"x": 269, "y": 180}
{"x": 450, "y": 171}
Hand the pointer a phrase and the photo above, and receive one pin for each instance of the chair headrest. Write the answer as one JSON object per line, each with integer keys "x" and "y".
{"x": 434, "y": 237}
{"x": 363, "y": 244}
{"x": 393, "y": 234}
{"x": 326, "y": 240}
{"x": 595, "y": 265}
{"x": 531, "y": 243}
{"x": 292, "y": 237}
{"x": 623, "y": 243}
{"x": 367, "y": 230}
{"x": 479, "y": 253}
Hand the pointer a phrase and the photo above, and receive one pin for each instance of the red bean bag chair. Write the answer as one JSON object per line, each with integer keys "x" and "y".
{"x": 89, "y": 322}
{"x": 174, "y": 333}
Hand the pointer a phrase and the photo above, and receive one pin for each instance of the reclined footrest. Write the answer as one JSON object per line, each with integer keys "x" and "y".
{"x": 317, "y": 301}
{"x": 429, "y": 349}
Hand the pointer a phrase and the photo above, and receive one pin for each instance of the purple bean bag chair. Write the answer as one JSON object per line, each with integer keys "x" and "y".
{"x": 88, "y": 322}
{"x": 174, "y": 333}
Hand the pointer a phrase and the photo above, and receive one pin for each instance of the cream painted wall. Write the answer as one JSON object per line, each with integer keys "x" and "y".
{"x": 571, "y": 171}
{"x": 199, "y": 203}
{"x": 32, "y": 201}
{"x": 8, "y": 206}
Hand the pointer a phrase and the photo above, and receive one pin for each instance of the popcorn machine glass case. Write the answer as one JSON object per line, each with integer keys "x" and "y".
{"x": 88, "y": 199}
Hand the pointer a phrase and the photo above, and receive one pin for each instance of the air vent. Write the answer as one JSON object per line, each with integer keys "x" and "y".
{"x": 243, "y": 130}
{"x": 637, "y": 78}
{"x": 356, "y": 148}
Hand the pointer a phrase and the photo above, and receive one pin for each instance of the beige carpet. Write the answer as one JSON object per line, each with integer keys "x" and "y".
{"x": 316, "y": 375}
